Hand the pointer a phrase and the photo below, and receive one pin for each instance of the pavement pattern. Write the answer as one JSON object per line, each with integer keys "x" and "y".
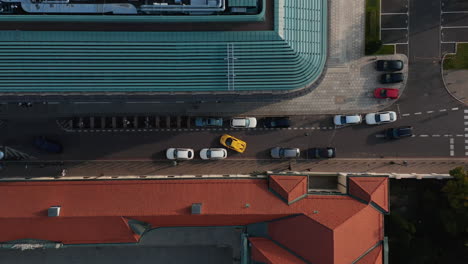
{"x": 142, "y": 168}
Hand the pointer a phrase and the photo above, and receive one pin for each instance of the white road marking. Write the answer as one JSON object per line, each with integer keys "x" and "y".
{"x": 383, "y": 14}
{"x": 442, "y": 110}
{"x": 418, "y": 113}
{"x": 455, "y": 109}
{"x": 429, "y": 112}
{"x": 423, "y": 135}
{"x": 405, "y": 114}
{"x": 466, "y": 111}
{"x": 466, "y": 123}
{"x": 436, "y": 135}
{"x": 459, "y": 135}
{"x": 452, "y": 147}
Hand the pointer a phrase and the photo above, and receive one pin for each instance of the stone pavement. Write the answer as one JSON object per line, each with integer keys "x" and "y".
{"x": 346, "y": 87}
{"x": 456, "y": 82}
{"x": 114, "y": 169}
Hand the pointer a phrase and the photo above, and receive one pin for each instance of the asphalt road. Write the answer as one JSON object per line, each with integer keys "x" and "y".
{"x": 433, "y": 132}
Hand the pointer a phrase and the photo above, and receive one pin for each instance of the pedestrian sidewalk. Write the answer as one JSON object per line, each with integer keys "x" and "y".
{"x": 116, "y": 169}
{"x": 456, "y": 82}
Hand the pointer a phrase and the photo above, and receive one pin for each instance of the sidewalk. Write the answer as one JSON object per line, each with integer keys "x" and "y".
{"x": 456, "y": 82}
{"x": 97, "y": 169}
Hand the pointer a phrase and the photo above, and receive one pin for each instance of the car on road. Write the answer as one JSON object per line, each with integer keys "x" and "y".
{"x": 276, "y": 122}
{"x": 383, "y": 93}
{"x": 399, "y": 132}
{"x": 321, "y": 153}
{"x": 208, "y": 122}
{"x": 244, "y": 122}
{"x": 179, "y": 153}
{"x": 213, "y": 153}
{"x": 285, "y": 153}
{"x": 345, "y": 120}
{"x": 389, "y": 65}
{"x": 391, "y": 77}
{"x": 381, "y": 118}
{"x": 48, "y": 145}
{"x": 233, "y": 143}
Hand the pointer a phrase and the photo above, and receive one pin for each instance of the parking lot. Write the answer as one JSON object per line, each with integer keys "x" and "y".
{"x": 394, "y": 19}
{"x": 454, "y": 21}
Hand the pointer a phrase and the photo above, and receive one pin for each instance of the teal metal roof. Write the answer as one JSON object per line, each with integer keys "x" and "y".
{"x": 244, "y": 3}
{"x": 290, "y": 57}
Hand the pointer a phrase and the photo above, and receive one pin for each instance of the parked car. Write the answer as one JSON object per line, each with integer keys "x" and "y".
{"x": 276, "y": 122}
{"x": 381, "y": 118}
{"x": 383, "y": 93}
{"x": 321, "y": 153}
{"x": 47, "y": 145}
{"x": 213, "y": 153}
{"x": 244, "y": 122}
{"x": 344, "y": 120}
{"x": 399, "y": 132}
{"x": 179, "y": 153}
{"x": 390, "y": 65}
{"x": 208, "y": 122}
{"x": 391, "y": 77}
{"x": 285, "y": 153}
{"x": 233, "y": 143}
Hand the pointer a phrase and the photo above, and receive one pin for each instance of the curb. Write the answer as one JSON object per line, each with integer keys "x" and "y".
{"x": 443, "y": 78}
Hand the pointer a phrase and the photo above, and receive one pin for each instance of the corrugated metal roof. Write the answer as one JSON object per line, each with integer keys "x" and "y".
{"x": 289, "y": 58}
{"x": 243, "y": 3}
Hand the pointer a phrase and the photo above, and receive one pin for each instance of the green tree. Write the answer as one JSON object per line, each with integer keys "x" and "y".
{"x": 456, "y": 218}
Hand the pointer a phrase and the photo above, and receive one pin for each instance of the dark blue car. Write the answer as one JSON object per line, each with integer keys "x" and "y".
{"x": 47, "y": 145}
{"x": 208, "y": 122}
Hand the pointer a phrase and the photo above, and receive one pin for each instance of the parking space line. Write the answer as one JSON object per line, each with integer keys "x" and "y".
{"x": 383, "y": 14}
{"x": 453, "y": 27}
{"x": 393, "y": 28}
{"x": 454, "y": 12}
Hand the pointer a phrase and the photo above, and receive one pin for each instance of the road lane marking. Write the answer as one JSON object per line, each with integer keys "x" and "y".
{"x": 418, "y": 113}
{"x": 455, "y": 109}
{"x": 429, "y": 112}
{"x": 466, "y": 111}
{"x": 436, "y": 135}
{"x": 442, "y": 110}
{"x": 452, "y": 147}
{"x": 423, "y": 135}
{"x": 405, "y": 114}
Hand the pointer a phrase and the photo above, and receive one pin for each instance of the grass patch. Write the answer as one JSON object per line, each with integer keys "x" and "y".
{"x": 459, "y": 60}
{"x": 386, "y": 50}
{"x": 373, "y": 43}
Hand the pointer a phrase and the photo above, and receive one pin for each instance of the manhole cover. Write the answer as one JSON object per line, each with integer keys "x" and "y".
{"x": 340, "y": 99}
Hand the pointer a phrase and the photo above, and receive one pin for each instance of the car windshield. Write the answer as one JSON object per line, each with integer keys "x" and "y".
{"x": 377, "y": 118}
{"x": 247, "y": 122}
{"x": 383, "y": 92}
{"x": 343, "y": 120}
{"x": 208, "y": 153}
{"x": 229, "y": 141}
{"x": 189, "y": 154}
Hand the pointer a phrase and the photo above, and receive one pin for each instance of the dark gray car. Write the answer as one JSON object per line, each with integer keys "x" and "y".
{"x": 285, "y": 153}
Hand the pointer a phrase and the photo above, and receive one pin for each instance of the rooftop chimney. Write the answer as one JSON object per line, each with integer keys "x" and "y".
{"x": 53, "y": 211}
{"x": 196, "y": 208}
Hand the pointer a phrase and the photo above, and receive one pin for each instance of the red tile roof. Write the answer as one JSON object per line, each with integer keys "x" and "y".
{"x": 97, "y": 212}
{"x": 370, "y": 189}
{"x": 372, "y": 257}
{"x": 266, "y": 251}
{"x": 289, "y": 187}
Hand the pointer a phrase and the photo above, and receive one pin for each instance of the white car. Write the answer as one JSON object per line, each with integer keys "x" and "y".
{"x": 381, "y": 118}
{"x": 345, "y": 120}
{"x": 213, "y": 153}
{"x": 244, "y": 122}
{"x": 179, "y": 153}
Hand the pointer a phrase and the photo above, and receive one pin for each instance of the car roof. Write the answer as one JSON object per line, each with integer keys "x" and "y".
{"x": 239, "y": 121}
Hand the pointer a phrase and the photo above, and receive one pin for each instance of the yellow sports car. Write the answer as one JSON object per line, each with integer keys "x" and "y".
{"x": 233, "y": 143}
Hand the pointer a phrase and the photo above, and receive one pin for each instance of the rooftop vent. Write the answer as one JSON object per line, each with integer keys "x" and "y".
{"x": 53, "y": 211}
{"x": 196, "y": 208}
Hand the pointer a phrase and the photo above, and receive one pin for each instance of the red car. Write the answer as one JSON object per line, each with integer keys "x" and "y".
{"x": 391, "y": 93}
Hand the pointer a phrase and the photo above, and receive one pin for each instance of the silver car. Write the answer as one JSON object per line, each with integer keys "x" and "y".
{"x": 285, "y": 153}
{"x": 179, "y": 153}
{"x": 213, "y": 153}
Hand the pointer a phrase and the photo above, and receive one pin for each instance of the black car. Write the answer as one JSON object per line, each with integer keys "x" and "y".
{"x": 389, "y": 65}
{"x": 399, "y": 132}
{"x": 391, "y": 77}
{"x": 321, "y": 153}
{"x": 47, "y": 145}
{"x": 276, "y": 122}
